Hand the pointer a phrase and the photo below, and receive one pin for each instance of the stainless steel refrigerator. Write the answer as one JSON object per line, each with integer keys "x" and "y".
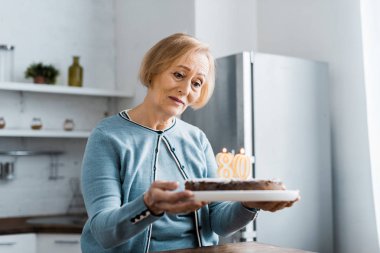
{"x": 276, "y": 107}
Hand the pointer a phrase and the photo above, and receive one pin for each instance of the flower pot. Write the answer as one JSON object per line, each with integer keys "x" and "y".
{"x": 39, "y": 79}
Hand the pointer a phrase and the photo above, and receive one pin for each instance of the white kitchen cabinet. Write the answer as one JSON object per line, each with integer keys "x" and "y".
{"x": 58, "y": 243}
{"x": 18, "y": 243}
{"x": 40, "y": 243}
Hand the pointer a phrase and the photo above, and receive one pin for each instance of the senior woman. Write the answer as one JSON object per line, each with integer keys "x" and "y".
{"x": 135, "y": 163}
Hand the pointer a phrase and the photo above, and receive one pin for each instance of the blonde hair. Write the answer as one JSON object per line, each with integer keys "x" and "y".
{"x": 167, "y": 51}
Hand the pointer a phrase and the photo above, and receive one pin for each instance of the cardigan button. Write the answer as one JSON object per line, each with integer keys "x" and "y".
{"x": 173, "y": 149}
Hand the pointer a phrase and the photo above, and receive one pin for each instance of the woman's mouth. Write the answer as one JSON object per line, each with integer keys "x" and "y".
{"x": 177, "y": 100}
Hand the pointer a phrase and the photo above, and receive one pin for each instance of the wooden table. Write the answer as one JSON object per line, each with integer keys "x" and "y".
{"x": 241, "y": 247}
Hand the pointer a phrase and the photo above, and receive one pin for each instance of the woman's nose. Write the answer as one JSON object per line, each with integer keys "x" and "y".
{"x": 184, "y": 88}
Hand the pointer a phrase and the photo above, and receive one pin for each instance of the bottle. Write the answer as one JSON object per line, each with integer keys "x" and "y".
{"x": 2, "y": 122}
{"x": 6, "y": 63}
{"x": 75, "y": 76}
{"x": 9, "y": 170}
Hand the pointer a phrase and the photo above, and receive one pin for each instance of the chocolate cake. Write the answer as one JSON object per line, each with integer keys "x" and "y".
{"x": 231, "y": 184}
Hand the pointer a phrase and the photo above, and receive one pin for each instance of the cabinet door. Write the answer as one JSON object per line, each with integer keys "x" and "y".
{"x": 58, "y": 243}
{"x": 18, "y": 243}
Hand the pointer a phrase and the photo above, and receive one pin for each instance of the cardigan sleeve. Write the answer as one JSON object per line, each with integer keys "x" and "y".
{"x": 225, "y": 217}
{"x": 111, "y": 222}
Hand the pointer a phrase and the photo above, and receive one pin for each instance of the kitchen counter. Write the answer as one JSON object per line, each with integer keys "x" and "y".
{"x": 33, "y": 224}
{"x": 242, "y": 247}
{"x": 19, "y": 225}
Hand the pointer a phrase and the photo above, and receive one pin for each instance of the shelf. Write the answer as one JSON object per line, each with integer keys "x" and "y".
{"x": 59, "y": 89}
{"x": 43, "y": 133}
{"x": 29, "y": 153}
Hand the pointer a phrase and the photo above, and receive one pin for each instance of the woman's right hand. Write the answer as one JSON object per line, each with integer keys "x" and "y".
{"x": 161, "y": 198}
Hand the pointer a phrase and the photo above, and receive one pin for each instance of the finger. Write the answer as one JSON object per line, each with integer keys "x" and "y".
{"x": 271, "y": 206}
{"x": 266, "y": 206}
{"x": 290, "y": 204}
{"x": 165, "y": 185}
{"x": 275, "y": 207}
{"x": 180, "y": 207}
{"x": 183, "y": 207}
{"x": 171, "y": 197}
{"x": 281, "y": 205}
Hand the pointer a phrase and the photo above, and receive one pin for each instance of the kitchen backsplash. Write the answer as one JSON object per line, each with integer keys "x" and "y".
{"x": 31, "y": 192}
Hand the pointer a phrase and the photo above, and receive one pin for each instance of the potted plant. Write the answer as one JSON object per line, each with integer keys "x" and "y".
{"x": 42, "y": 73}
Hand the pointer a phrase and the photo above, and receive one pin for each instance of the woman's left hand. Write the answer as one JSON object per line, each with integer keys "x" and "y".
{"x": 270, "y": 206}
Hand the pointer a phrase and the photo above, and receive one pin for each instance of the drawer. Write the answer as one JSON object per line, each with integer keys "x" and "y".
{"x": 58, "y": 243}
{"x": 20, "y": 243}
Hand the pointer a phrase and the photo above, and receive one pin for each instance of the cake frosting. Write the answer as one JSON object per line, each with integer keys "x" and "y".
{"x": 216, "y": 184}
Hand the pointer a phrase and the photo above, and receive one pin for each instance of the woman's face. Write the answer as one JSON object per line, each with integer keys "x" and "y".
{"x": 180, "y": 85}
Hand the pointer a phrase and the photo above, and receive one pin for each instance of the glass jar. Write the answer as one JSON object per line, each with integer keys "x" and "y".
{"x": 6, "y": 63}
{"x": 2, "y": 122}
{"x": 36, "y": 124}
{"x": 68, "y": 125}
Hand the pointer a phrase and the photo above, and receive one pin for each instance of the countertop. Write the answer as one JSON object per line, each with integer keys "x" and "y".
{"x": 241, "y": 247}
{"x": 17, "y": 225}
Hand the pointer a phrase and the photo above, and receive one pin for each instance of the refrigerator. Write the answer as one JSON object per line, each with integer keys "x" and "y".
{"x": 277, "y": 108}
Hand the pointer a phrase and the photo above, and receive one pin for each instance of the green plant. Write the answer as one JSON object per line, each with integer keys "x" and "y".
{"x": 38, "y": 70}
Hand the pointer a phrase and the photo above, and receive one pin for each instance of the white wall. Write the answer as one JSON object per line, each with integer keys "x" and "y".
{"x": 299, "y": 28}
{"x": 139, "y": 25}
{"x": 228, "y": 26}
{"x": 53, "y": 31}
{"x": 330, "y": 30}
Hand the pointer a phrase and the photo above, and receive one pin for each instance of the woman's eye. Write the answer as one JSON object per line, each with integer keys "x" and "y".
{"x": 197, "y": 84}
{"x": 178, "y": 75}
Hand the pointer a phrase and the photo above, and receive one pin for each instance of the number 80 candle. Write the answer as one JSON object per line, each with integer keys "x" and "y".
{"x": 242, "y": 165}
{"x": 224, "y": 161}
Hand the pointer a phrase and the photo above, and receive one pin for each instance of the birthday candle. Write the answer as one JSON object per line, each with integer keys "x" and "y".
{"x": 224, "y": 161}
{"x": 241, "y": 165}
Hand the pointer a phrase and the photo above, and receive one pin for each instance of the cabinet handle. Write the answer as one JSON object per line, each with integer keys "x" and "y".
{"x": 66, "y": 241}
{"x": 7, "y": 243}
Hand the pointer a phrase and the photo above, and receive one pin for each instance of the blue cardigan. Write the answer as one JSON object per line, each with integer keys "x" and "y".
{"x": 119, "y": 166}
